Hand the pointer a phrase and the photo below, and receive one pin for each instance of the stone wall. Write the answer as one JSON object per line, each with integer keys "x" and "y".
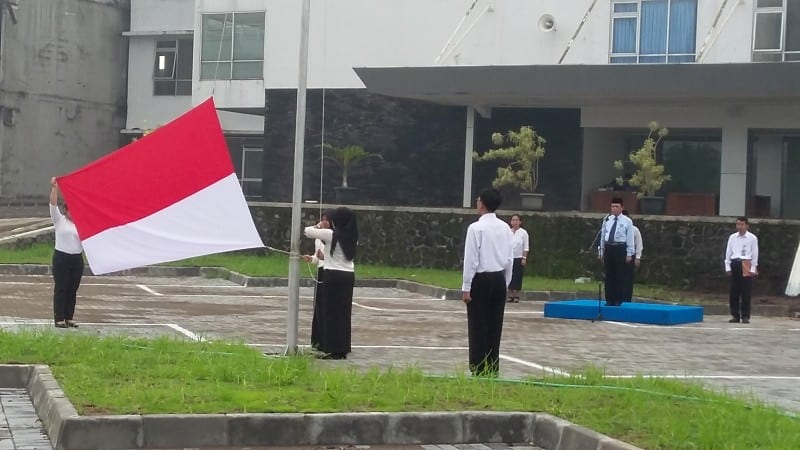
{"x": 679, "y": 252}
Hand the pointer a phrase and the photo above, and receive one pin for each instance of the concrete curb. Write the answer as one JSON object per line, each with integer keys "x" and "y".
{"x": 69, "y": 431}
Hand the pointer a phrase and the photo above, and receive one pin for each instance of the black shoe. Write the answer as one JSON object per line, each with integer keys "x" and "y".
{"x": 734, "y": 320}
{"x": 61, "y": 324}
{"x": 745, "y": 320}
{"x": 72, "y": 324}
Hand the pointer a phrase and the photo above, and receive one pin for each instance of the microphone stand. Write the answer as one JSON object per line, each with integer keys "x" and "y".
{"x": 600, "y": 283}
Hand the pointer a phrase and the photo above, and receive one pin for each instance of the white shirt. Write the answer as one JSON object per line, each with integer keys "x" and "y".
{"x": 487, "y": 248}
{"x": 623, "y": 233}
{"x": 337, "y": 260}
{"x": 67, "y": 239}
{"x": 319, "y": 246}
{"x": 638, "y": 244}
{"x": 520, "y": 243}
{"x": 742, "y": 247}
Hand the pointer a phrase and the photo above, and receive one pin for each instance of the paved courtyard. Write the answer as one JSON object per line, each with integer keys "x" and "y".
{"x": 395, "y": 327}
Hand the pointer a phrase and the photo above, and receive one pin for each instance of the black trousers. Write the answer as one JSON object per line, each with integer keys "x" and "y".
{"x": 628, "y": 294}
{"x": 316, "y": 320}
{"x": 67, "y": 273}
{"x": 335, "y": 312}
{"x": 485, "y": 322}
{"x": 741, "y": 288}
{"x": 616, "y": 274}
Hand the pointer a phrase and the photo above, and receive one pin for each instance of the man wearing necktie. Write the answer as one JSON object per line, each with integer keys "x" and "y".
{"x": 616, "y": 250}
{"x": 741, "y": 265}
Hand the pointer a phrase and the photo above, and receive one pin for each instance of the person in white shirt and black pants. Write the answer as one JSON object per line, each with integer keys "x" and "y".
{"x": 487, "y": 273}
{"x": 336, "y": 304}
{"x": 741, "y": 265}
{"x": 67, "y": 262}
{"x": 638, "y": 246}
{"x": 318, "y": 258}
{"x": 520, "y": 248}
{"x": 616, "y": 250}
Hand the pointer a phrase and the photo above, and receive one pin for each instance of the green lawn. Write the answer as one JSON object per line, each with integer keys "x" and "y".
{"x": 122, "y": 375}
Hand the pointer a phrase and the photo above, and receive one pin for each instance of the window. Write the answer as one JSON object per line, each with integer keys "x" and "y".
{"x": 172, "y": 73}
{"x": 252, "y": 171}
{"x": 776, "y": 30}
{"x": 653, "y": 31}
{"x": 233, "y": 46}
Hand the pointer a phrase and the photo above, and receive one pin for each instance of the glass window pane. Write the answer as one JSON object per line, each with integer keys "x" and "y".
{"x": 680, "y": 58}
{"x": 165, "y": 65}
{"x": 792, "y": 57}
{"x": 165, "y": 44}
{"x": 769, "y": 3}
{"x": 793, "y": 26}
{"x": 652, "y": 59}
{"x": 249, "y": 37}
{"x": 682, "y": 26}
{"x": 184, "y": 66}
{"x": 163, "y": 87}
{"x": 253, "y": 164}
{"x": 653, "y": 23}
{"x": 623, "y": 60}
{"x": 183, "y": 87}
{"x": 767, "y": 56}
{"x": 768, "y": 31}
{"x": 693, "y": 165}
{"x": 625, "y": 7}
{"x": 624, "y": 36}
{"x": 217, "y": 37}
{"x": 248, "y": 70}
{"x": 251, "y": 188}
{"x": 215, "y": 71}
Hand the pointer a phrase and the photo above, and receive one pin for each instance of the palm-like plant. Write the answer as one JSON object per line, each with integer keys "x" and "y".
{"x": 523, "y": 149}
{"x": 648, "y": 175}
{"x": 344, "y": 157}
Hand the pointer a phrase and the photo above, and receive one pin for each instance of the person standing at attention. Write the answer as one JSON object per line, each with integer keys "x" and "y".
{"x": 336, "y": 307}
{"x": 616, "y": 250}
{"x": 487, "y": 273}
{"x": 638, "y": 245}
{"x": 741, "y": 265}
{"x": 520, "y": 247}
{"x": 318, "y": 258}
{"x": 67, "y": 262}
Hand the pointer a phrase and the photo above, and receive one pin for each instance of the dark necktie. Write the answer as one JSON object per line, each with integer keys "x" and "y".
{"x": 613, "y": 230}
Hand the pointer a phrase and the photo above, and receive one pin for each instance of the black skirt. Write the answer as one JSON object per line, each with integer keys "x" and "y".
{"x": 516, "y": 275}
{"x": 335, "y": 312}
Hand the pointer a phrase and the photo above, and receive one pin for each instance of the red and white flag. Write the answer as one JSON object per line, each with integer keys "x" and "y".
{"x": 171, "y": 195}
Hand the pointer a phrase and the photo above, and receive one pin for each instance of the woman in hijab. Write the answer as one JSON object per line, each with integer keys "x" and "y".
{"x": 336, "y": 306}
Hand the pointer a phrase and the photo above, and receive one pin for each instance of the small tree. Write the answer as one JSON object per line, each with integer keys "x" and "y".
{"x": 523, "y": 149}
{"x": 648, "y": 175}
{"x": 344, "y": 157}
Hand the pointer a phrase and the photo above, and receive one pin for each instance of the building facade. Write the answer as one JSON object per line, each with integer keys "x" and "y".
{"x": 62, "y": 89}
{"x": 424, "y": 83}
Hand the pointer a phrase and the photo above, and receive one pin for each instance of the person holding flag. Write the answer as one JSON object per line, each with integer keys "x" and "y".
{"x": 67, "y": 262}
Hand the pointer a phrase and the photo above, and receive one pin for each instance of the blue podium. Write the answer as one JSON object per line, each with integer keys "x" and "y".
{"x": 648, "y": 313}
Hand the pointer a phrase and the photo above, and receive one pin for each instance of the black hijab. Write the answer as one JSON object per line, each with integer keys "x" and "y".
{"x": 345, "y": 231}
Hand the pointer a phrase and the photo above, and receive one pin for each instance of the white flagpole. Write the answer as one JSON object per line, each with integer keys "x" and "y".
{"x": 292, "y": 317}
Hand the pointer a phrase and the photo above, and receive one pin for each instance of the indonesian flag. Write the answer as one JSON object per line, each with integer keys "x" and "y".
{"x": 171, "y": 195}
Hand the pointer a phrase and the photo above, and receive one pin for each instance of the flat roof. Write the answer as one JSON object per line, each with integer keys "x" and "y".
{"x": 585, "y": 85}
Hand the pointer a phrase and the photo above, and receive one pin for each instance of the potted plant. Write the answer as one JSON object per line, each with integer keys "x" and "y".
{"x": 345, "y": 157}
{"x": 523, "y": 149}
{"x": 648, "y": 176}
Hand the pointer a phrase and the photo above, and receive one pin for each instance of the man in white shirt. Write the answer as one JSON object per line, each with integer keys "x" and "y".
{"x": 638, "y": 246}
{"x": 741, "y": 263}
{"x": 487, "y": 273}
{"x": 616, "y": 250}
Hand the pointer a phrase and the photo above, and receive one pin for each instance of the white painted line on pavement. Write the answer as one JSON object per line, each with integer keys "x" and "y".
{"x": 386, "y": 347}
{"x": 710, "y": 377}
{"x": 117, "y": 324}
{"x": 147, "y": 289}
{"x": 375, "y": 308}
{"x": 186, "y": 332}
{"x": 534, "y": 365}
{"x": 622, "y": 324}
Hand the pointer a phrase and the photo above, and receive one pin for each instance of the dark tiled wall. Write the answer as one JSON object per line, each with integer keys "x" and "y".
{"x": 422, "y": 145}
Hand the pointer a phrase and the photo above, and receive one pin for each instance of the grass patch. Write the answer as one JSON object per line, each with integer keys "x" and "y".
{"x": 277, "y": 265}
{"x": 121, "y": 375}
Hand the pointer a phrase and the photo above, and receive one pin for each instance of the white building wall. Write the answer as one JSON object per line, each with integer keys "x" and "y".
{"x": 162, "y": 15}
{"x": 768, "y": 152}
